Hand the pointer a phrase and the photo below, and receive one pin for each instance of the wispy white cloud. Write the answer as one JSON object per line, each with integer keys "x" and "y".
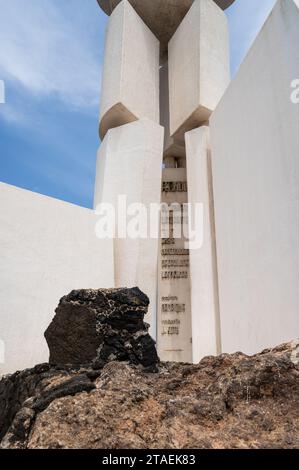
{"x": 42, "y": 50}
{"x": 48, "y": 47}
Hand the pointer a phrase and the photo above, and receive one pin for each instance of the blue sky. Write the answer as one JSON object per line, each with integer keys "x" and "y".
{"x": 51, "y": 54}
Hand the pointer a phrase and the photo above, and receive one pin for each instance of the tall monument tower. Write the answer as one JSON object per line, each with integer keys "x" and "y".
{"x": 166, "y": 67}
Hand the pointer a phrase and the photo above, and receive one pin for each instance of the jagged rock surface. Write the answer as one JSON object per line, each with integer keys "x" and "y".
{"x": 230, "y": 401}
{"x": 99, "y": 326}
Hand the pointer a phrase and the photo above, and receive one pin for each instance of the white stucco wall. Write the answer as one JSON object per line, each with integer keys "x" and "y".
{"x": 47, "y": 248}
{"x": 255, "y": 160}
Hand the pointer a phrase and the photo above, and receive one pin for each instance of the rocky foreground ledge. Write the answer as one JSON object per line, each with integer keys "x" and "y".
{"x": 126, "y": 398}
{"x": 231, "y": 401}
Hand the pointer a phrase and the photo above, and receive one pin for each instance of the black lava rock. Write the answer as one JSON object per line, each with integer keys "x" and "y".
{"x": 98, "y": 326}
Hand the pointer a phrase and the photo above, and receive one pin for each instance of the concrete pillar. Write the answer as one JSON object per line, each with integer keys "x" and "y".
{"x": 198, "y": 66}
{"x": 174, "y": 303}
{"x": 129, "y": 164}
{"x": 130, "y": 82}
{"x": 172, "y": 147}
{"x": 129, "y": 158}
{"x": 206, "y": 338}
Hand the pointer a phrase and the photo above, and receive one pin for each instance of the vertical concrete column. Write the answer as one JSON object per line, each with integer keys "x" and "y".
{"x": 206, "y": 338}
{"x": 174, "y": 333}
{"x": 198, "y": 66}
{"x": 130, "y": 83}
{"x": 129, "y": 165}
{"x": 172, "y": 147}
{"x": 174, "y": 302}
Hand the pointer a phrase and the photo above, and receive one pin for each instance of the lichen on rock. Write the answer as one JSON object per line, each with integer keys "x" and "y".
{"x": 99, "y": 326}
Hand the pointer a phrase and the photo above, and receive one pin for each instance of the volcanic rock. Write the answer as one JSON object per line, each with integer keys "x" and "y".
{"x": 229, "y": 401}
{"x": 94, "y": 327}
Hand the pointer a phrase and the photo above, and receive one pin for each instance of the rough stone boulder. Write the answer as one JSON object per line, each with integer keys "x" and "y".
{"x": 94, "y": 327}
{"x": 229, "y": 401}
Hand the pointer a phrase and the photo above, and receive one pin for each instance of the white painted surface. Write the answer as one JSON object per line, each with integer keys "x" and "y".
{"x": 203, "y": 273}
{"x": 255, "y": 156}
{"x": 130, "y": 84}
{"x": 130, "y": 163}
{"x": 47, "y": 248}
{"x": 198, "y": 66}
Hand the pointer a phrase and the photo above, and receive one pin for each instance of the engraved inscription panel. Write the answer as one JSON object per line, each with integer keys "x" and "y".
{"x": 174, "y": 303}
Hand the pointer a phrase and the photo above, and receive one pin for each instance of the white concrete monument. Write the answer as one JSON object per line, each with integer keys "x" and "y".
{"x": 190, "y": 39}
{"x": 232, "y": 290}
{"x": 173, "y": 134}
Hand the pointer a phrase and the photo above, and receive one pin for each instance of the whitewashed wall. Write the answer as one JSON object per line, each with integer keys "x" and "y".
{"x": 255, "y": 160}
{"x": 47, "y": 248}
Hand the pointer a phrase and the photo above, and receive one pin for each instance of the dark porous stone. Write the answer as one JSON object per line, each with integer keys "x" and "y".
{"x": 248, "y": 402}
{"x": 72, "y": 386}
{"x": 98, "y": 326}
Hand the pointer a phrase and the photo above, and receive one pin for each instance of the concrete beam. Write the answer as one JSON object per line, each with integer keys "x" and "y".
{"x": 161, "y": 16}
{"x": 198, "y": 66}
{"x": 172, "y": 147}
{"x": 130, "y": 83}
